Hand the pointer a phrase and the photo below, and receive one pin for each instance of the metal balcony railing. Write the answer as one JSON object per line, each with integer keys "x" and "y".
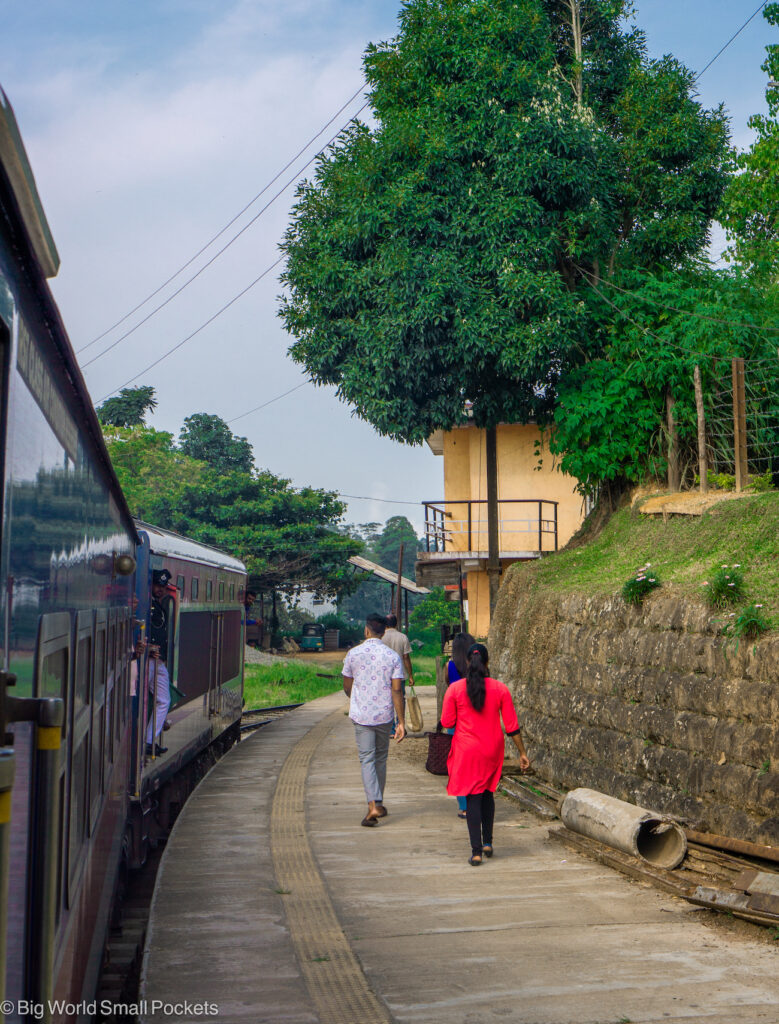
{"x": 452, "y": 526}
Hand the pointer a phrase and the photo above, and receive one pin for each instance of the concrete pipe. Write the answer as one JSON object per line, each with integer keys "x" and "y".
{"x": 644, "y": 834}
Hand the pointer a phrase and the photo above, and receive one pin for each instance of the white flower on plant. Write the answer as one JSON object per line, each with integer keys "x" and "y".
{"x": 758, "y": 606}
{"x": 704, "y": 584}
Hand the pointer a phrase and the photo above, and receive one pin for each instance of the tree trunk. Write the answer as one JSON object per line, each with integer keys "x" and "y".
{"x": 674, "y": 476}
{"x": 576, "y": 30}
{"x": 703, "y": 462}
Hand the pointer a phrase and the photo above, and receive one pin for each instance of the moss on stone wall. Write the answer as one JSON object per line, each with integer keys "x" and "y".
{"x": 648, "y": 704}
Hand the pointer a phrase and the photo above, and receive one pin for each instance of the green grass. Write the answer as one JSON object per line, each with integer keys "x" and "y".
{"x": 684, "y": 551}
{"x": 288, "y": 682}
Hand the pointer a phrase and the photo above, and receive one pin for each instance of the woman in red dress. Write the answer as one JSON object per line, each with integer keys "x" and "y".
{"x": 475, "y": 705}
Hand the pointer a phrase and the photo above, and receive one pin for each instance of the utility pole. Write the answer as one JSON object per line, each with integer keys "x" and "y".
{"x": 703, "y": 462}
{"x": 493, "y": 533}
{"x": 739, "y": 424}
{"x": 400, "y": 584}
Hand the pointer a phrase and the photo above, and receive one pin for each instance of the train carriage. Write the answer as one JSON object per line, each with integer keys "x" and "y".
{"x": 80, "y": 799}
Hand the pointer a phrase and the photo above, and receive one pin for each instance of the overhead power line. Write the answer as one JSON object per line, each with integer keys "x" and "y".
{"x": 269, "y": 402}
{"x": 240, "y": 294}
{"x": 224, "y": 248}
{"x": 229, "y": 224}
{"x": 727, "y": 44}
{"x": 196, "y": 331}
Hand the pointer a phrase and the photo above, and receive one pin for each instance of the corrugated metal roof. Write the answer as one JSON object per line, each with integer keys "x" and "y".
{"x": 387, "y": 574}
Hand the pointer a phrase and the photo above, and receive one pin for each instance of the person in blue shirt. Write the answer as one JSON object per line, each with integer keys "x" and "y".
{"x": 456, "y": 669}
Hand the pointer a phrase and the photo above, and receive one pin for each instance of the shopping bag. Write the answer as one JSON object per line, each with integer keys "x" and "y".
{"x": 413, "y": 711}
{"x": 438, "y": 745}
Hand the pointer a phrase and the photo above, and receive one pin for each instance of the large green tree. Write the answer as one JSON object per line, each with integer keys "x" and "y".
{"x": 523, "y": 149}
{"x": 288, "y": 537}
{"x": 610, "y": 423}
{"x": 128, "y": 408}
{"x": 383, "y": 547}
{"x": 209, "y": 439}
{"x": 750, "y": 211}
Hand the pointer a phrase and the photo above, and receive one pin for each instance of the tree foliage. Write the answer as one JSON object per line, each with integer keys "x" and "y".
{"x": 610, "y": 421}
{"x": 750, "y": 210}
{"x": 383, "y": 547}
{"x": 128, "y": 408}
{"x": 209, "y": 439}
{"x": 446, "y": 254}
{"x": 287, "y": 537}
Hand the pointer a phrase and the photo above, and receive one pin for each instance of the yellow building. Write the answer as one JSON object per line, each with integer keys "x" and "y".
{"x": 539, "y": 510}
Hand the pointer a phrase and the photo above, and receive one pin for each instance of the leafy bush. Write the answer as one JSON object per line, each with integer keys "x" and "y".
{"x": 749, "y": 624}
{"x": 721, "y": 481}
{"x": 638, "y": 586}
{"x": 435, "y": 610}
{"x": 765, "y": 482}
{"x": 350, "y": 632}
{"x": 725, "y": 586}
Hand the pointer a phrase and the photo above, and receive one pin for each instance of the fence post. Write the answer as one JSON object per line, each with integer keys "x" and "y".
{"x": 703, "y": 462}
{"x": 739, "y": 424}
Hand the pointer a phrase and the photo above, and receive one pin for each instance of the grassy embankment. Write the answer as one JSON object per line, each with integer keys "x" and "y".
{"x": 682, "y": 551}
{"x": 290, "y": 682}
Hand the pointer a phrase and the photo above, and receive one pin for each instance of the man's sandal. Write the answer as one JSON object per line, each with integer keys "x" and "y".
{"x": 475, "y": 860}
{"x": 382, "y": 811}
{"x": 487, "y": 850}
{"x": 370, "y": 820}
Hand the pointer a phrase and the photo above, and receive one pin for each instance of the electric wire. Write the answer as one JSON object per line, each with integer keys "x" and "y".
{"x": 269, "y": 402}
{"x": 229, "y": 224}
{"x": 732, "y": 38}
{"x": 197, "y": 330}
{"x": 219, "y": 252}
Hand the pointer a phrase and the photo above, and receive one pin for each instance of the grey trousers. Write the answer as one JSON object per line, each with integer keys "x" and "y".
{"x": 373, "y": 748}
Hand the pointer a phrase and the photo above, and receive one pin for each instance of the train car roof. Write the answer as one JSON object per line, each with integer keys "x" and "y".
{"x": 165, "y": 542}
{"x": 22, "y": 181}
{"x": 40, "y": 260}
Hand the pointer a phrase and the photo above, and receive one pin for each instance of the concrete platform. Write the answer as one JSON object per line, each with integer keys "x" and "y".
{"x": 392, "y": 924}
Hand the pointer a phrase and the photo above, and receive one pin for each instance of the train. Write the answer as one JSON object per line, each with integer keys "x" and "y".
{"x": 84, "y": 795}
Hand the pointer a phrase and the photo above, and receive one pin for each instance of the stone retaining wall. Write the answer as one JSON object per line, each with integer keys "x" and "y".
{"x": 649, "y": 704}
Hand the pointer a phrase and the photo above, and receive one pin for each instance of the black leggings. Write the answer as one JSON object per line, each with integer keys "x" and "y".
{"x": 480, "y": 815}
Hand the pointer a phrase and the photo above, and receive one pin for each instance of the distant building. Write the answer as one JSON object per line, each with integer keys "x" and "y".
{"x": 307, "y": 601}
{"x": 539, "y": 510}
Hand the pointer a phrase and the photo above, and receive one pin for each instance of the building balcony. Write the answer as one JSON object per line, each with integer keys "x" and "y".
{"x": 456, "y": 535}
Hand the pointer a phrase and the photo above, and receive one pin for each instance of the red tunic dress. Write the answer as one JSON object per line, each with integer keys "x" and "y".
{"x": 476, "y": 756}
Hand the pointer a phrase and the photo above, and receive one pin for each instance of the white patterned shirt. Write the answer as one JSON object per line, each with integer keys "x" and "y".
{"x": 372, "y": 666}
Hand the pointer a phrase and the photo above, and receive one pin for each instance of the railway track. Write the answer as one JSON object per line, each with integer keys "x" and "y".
{"x": 120, "y": 974}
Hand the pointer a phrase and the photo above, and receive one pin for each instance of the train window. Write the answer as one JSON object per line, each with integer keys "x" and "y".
{"x": 101, "y": 685}
{"x": 232, "y": 591}
{"x": 221, "y": 591}
{"x": 52, "y": 680}
{"x": 195, "y": 587}
{"x": 81, "y": 674}
{"x": 78, "y": 808}
{"x": 180, "y": 584}
{"x": 209, "y": 589}
{"x": 240, "y": 593}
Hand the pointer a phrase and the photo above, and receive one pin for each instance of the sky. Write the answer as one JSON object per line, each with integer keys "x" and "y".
{"x": 150, "y": 124}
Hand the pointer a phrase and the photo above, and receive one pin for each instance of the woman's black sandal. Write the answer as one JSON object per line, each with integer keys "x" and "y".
{"x": 487, "y": 850}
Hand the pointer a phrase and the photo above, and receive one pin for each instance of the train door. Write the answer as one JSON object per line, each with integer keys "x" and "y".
{"x": 215, "y": 674}
{"x": 7, "y": 761}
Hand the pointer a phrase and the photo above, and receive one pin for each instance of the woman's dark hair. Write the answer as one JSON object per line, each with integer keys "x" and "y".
{"x": 477, "y": 673}
{"x": 461, "y": 644}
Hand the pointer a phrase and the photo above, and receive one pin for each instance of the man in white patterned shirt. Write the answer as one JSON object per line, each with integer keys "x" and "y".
{"x": 373, "y": 677}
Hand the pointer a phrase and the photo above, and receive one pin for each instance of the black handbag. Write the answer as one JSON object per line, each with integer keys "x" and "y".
{"x": 438, "y": 745}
